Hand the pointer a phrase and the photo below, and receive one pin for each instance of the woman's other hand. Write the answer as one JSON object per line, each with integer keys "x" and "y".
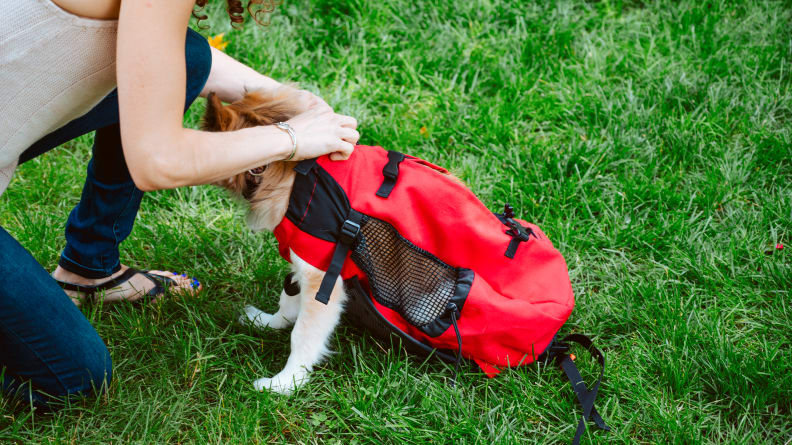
{"x": 311, "y": 100}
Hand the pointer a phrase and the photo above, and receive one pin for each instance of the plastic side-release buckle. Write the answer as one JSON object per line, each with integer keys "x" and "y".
{"x": 349, "y": 231}
{"x": 346, "y": 237}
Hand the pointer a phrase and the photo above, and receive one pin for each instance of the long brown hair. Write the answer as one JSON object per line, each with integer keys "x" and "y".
{"x": 259, "y": 10}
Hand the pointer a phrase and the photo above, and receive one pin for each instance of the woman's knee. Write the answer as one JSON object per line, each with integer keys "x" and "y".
{"x": 198, "y": 56}
{"x": 85, "y": 376}
{"x": 44, "y": 339}
{"x": 84, "y": 368}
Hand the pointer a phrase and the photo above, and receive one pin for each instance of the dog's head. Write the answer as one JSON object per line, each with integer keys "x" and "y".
{"x": 271, "y": 183}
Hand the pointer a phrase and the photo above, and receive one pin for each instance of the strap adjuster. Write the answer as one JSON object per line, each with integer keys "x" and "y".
{"x": 391, "y": 171}
{"x": 519, "y": 231}
{"x": 349, "y": 232}
{"x": 516, "y": 231}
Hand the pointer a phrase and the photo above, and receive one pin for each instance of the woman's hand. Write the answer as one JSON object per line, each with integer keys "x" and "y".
{"x": 320, "y": 131}
{"x": 309, "y": 100}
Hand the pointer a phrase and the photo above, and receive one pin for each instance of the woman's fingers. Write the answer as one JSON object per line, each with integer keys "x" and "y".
{"x": 314, "y": 101}
{"x": 321, "y": 103}
{"x": 325, "y": 112}
{"x": 347, "y": 121}
{"x": 318, "y": 104}
{"x": 344, "y": 152}
{"x": 349, "y": 135}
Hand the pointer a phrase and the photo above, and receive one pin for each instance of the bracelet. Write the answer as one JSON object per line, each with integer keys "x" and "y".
{"x": 288, "y": 129}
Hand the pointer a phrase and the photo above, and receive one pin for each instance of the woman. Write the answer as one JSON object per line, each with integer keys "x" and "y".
{"x": 59, "y": 61}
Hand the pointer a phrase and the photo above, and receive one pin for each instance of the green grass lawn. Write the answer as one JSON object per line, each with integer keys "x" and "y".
{"x": 652, "y": 141}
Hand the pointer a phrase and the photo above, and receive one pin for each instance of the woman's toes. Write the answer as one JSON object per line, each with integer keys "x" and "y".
{"x": 183, "y": 284}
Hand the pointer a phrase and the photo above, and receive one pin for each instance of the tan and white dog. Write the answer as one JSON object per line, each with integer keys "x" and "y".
{"x": 267, "y": 191}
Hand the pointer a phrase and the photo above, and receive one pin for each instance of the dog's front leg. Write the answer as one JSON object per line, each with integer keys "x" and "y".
{"x": 288, "y": 308}
{"x": 312, "y": 330}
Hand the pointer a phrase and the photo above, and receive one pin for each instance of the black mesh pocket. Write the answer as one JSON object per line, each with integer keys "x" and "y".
{"x": 404, "y": 277}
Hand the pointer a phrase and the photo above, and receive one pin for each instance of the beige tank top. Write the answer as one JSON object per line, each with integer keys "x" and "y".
{"x": 54, "y": 67}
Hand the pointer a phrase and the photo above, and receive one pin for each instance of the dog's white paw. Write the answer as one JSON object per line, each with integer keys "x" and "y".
{"x": 281, "y": 383}
{"x": 252, "y": 316}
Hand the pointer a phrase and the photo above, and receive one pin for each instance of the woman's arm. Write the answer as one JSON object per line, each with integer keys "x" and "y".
{"x": 160, "y": 153}
{"x": 231, "y": 79}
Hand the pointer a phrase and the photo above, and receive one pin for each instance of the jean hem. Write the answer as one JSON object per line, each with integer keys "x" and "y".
{"x": 86, "y": 272}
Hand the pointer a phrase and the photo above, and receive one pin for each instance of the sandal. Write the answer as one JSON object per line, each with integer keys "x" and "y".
{"x": 161, "y": 285}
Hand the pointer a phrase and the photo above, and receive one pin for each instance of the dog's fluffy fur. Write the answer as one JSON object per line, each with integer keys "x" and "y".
{"x": 268, "y": 195}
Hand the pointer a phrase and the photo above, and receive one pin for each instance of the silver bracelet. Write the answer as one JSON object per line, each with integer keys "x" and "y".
{"x": 288, "y": 129}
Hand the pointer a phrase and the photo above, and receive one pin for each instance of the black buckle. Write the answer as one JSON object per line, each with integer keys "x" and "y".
{"x": 349, "y": 232}
{"x": 519, "y": 231}
{"x": 516, "y": 229}
{"x": 508, "y": 211}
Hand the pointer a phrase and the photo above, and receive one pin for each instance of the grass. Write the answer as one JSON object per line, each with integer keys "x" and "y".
{"x": 652, "y": 141}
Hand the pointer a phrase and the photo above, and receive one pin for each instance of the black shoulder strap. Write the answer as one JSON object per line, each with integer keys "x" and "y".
{"x": 390, "y": 173}
{"x": 584, "y": 395}
{"x": 346, "y": 237}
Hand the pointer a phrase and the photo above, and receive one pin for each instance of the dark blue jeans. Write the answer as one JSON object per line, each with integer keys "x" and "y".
{"x": 46, "y": 344}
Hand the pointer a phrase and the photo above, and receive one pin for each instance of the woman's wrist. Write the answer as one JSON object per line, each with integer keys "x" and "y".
{"x": 280, "y": 143}
{"x": 292, "y": 136}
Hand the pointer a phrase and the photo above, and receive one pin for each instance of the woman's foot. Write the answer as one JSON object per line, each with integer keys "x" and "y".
{"x": 135, "y": 288}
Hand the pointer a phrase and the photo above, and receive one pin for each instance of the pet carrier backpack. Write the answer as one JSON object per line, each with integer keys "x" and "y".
{"x": 431, "y": 264}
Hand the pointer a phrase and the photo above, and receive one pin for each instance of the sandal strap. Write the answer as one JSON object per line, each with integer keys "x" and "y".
{"x": 90, "y": 291}
{"x": 87, "y": 290}
{"x": 123, "y": 278}
{"x": 161, "y": 284}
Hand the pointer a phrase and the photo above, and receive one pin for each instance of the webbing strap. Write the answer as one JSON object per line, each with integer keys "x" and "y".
{"x": 512, "y": 249}
{"x": 390, "y": 173}
{"x": 454, "y": 311}
{"x": 346, "y": 237}
{"x": 584, "y": 396}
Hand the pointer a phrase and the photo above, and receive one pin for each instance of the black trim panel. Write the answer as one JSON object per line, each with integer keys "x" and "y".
{"x": 317, "y": 205}
{"x": 461, "y": 292}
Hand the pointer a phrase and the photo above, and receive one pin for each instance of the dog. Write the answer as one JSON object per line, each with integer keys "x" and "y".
{"x": 267, "y": 190}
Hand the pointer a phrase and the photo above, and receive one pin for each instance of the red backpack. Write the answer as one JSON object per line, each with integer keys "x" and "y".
{"x": 431, "y": 264}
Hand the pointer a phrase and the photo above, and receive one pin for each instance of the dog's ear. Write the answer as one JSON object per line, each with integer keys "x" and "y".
{"x": 217, "y": 117}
